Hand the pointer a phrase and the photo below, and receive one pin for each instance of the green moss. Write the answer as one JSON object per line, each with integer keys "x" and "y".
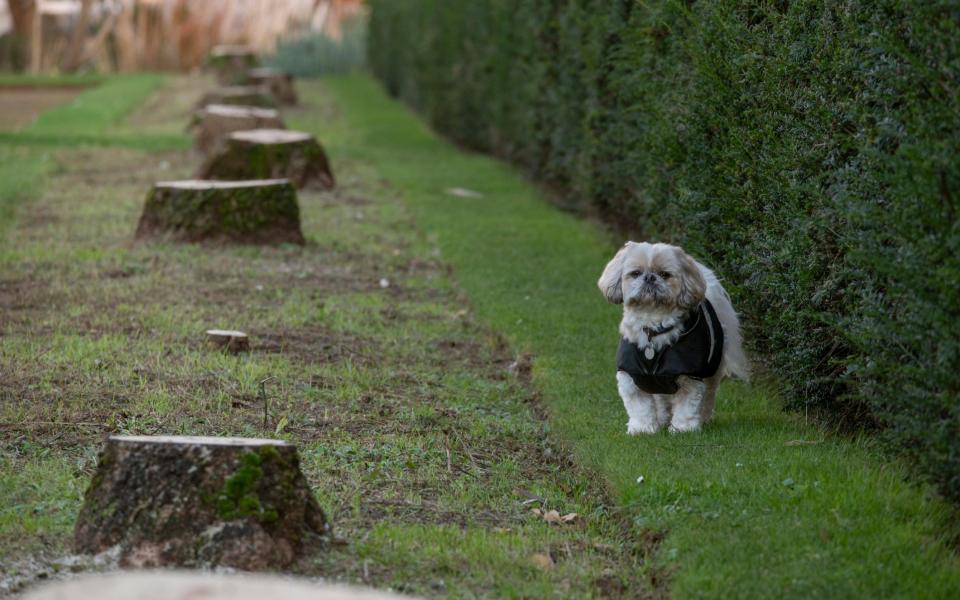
{"x": 240, "y": 497}
{"x": 242, "y": 213}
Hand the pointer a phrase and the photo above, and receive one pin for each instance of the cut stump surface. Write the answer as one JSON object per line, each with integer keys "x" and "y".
{"x": 239, "y": 95}
{"x": 229, "y": 340}
{"x": 198, "y": 501}
{"x": 279, "y": 83}
{"x": 271, "y": 153}
{"x": 214, "y": 123}
{"x": 252, "y": 212}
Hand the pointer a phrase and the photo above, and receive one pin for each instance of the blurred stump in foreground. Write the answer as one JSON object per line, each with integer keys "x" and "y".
{"x": 172, "y": 585}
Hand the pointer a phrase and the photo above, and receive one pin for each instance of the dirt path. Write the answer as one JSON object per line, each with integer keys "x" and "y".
{"x": 21, "y": 105}
{"x": 421, "y": 442}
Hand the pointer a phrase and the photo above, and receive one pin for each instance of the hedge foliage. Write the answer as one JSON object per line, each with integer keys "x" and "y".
{"x": 317, "y": 54}
{"x": 807, "y": 149}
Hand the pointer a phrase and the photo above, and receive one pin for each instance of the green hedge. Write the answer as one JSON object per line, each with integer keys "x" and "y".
{"x": 317, "y": 55}
{"x": 808, "y": 150}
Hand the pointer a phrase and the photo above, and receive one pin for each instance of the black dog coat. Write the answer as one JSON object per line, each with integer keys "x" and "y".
{"x": 696, "y": 353}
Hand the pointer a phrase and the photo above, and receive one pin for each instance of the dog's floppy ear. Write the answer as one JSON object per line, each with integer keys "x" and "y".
{"x": 611, "y": 281}
{"x": 693, "y": 287}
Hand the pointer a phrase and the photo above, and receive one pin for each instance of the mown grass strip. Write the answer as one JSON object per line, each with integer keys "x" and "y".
{"x": 47, "y": 80}
{"x": 148, "y": 143}
{"x": 760, "y": 504}
{"x": 21, "y": 172}
{"x": 92, "y": 118}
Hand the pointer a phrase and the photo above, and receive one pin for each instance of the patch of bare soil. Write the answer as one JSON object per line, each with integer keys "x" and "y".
{"x": 19, "y": 106}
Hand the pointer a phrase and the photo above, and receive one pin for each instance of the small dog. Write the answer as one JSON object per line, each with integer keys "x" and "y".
{"x": 679, "y": 336}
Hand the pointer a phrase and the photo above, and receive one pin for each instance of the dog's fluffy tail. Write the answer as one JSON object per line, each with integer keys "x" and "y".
{"x": 735, "y": 362}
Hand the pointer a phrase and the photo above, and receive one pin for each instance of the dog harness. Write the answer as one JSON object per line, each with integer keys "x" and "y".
{"x": 696, "y": 353}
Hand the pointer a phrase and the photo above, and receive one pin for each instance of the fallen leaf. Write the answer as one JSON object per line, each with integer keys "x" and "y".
{"x": 542, "y": 561}
{"x": 537, "y": 512}
{"x": 551, "y": 516}
{"x": 801, "y": 442}
{"x": 570, "y": 518}
{"x": 463, "y": 192}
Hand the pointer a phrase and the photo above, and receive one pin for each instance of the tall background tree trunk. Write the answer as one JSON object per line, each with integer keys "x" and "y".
{"x": 21, "y": 14}
{"x": 74, "y": 55}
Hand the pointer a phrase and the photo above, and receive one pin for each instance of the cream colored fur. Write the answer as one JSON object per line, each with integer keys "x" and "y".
{"x": 658, "y": 284}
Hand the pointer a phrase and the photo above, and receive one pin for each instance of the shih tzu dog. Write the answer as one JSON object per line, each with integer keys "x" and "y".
{"x": 679, "y": 336}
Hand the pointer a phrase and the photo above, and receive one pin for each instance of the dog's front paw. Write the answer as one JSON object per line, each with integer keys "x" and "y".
{"x": 638, "y": 427}
{"x": 684, "y": 426}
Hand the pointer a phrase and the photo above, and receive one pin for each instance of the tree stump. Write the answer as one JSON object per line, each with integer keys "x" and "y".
{"x": 198, "y": 501}
{"x": 279, "y": 83}
{"x": 270, "y": 154}
{"x": 250, "y": 212}
{"x": 214, "y": 123}
{"x": 231, "y": 341}
{"x": 232, "y": 63}
{"x": 185, "y": 585}
{"x": 239, "y": 95}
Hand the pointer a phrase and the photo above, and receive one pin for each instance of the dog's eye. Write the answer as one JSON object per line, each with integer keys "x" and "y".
{"x": 664, "y": 275}
{"x": 634, "y": 274}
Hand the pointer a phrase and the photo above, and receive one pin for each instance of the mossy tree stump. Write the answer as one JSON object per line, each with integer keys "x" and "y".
{"x": 232, "y": 63}
{"x": 187, "y": 585}
{"x": 239, "y": 95}
{"x": 270, "y": 154}
{"x": 278, "y": 82}
{"x": 198, "y": 501}
{"x": 249, "y": 212}
{"x": 214, "y": 123}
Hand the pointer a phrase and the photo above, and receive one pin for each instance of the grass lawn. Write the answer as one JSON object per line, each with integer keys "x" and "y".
{"x": 96, "y": 116}
{"x": 758, "y": 505}
{"x": 424, "y": 447}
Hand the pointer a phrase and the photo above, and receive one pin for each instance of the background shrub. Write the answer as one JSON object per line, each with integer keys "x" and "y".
{"x": 315, "y": 54}
{"x": 808, "y": 150}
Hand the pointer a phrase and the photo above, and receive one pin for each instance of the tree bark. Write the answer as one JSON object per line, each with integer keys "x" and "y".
{"x": 279, "y": 83}
{"x": 21, "y": 13}
{"x": 74, "y": 54}
{"x": 194, "y": 501}
{"x": 231, "y": 63}
{"x": 214, "y": 124}
{"x": 246, "y": 212}
{"x": 228, "y": 340}
{"x": 271, "y": 154}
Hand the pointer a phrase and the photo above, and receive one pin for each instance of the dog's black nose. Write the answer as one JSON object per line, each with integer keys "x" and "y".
{"x": 649, "y": 278}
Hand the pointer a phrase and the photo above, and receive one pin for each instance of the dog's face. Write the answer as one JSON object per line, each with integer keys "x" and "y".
{"x": 648, "y": 276}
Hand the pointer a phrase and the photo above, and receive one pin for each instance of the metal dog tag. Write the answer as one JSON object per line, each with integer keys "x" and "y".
{"x": 648, "y": 353}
